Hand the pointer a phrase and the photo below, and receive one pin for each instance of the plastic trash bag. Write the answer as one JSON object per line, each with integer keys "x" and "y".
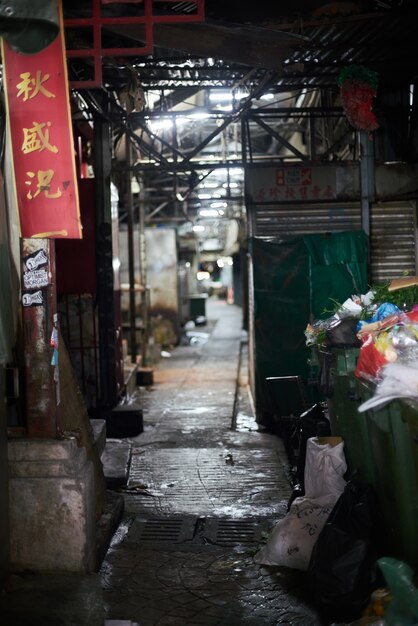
{"x": 294, "y": 536}
{"x": 313, "y": 423}
{"x": 342, "y": 334}
{"x": 403, "y": 610}
{"x": 398, "y": 381}
{"x": 325, "y": 467}
{"x": 342, "y": 571}
{"x": 363, "y": 621}
{"x": 385, "y": 310}
{"x": 370, "y": 361}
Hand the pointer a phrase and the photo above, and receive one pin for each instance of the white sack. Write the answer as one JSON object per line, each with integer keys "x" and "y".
{"x": 293, "y": 538}
{"x": 325, "y": 466}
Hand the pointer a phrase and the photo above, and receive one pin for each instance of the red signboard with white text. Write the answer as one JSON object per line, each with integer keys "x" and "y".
{"x": 42, "y": 141}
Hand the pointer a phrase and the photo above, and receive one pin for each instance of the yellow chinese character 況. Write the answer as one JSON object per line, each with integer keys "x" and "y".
{"x": 30, "y": 87}
{"x": 36, "y": 139}
{"x": 43, "y": 184}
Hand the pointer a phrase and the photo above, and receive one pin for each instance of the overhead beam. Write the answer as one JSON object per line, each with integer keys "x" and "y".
{"x": 281, "y": 140}
{"x": 250, "y": 45}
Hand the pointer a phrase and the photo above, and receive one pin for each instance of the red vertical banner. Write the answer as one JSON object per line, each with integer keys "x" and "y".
{"x": 39, "y": 118}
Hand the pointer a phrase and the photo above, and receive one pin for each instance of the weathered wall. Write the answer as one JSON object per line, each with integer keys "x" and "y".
{"x": 162, "y": 279}
{"x": 74, "y": 419}
{"x": 52, "y": 511}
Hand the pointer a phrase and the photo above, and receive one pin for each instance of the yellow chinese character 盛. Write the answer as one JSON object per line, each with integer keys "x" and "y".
{"x": 36, "y": 139}
{"x": 30, "y": 87}
{"x": 43, "y": 184}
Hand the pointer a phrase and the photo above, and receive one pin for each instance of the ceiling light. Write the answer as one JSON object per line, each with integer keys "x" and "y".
{"x": 191, "y": 117}
{"x": 267, "y": 96}
{"x": 198, "y": 228}
{"x": 220, "y": 263}
{"x": 233, "y": 171}
{"x": 202, "y": 275}
{"x": 204, "y": 196}
{"x": 226, "y": 96}
{"x": 198, "y": 115}
{"x": 162, "y": 124}
{"x": 208, "y": 213}
{"x": 218, "y": 205}
{"x": 226, "y": 107}
{"x": 210, "y": 185}
{"x": 135, "y": 188}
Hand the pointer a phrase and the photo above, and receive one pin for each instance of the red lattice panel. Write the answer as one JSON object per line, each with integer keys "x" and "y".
{"x": 147, "y": 19}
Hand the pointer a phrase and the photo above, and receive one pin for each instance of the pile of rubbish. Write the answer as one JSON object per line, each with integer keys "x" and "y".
{"x": 330, "y": 533}
{"x": 387, "y": 336}
{"x": 331, "y": 530}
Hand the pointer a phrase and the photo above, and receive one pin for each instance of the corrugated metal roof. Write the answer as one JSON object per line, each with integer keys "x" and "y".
{"x": 384, "y": 42}
{"x": 298, "y": 39}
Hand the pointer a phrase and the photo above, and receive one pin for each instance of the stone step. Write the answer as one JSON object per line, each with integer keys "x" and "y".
{"x": 116, "y": 460}
{"x": 124, "y": 420}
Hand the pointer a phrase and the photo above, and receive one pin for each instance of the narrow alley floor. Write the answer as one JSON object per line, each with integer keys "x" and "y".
{"x": 205, "y": 486}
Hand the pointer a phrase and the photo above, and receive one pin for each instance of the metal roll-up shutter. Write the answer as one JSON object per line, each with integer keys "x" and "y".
{"x": 393, "y": 241}
{"x": 304, "y": 219}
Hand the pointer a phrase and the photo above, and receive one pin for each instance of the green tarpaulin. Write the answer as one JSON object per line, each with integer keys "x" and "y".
{"x": 298, "y": 280}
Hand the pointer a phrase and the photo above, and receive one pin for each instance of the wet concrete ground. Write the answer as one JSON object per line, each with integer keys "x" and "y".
{"x": 205, "y": 486}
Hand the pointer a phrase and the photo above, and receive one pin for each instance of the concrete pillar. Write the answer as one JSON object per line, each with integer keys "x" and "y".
{"x": 39, "y": 306}
{"x": 52, "y": 509}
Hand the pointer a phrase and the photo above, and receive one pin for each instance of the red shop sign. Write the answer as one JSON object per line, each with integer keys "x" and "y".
{"x": 41, "y": 135}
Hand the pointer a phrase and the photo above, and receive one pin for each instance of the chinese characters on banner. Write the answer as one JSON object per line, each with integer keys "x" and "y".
{"x": 293, "y": 183}
{"x": 42, "y": 141}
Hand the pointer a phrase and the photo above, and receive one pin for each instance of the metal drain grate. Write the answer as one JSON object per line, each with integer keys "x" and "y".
{"x": 211, "y": 530}
{"x": 172, "y": 530}
{"x": 231, "y": 532}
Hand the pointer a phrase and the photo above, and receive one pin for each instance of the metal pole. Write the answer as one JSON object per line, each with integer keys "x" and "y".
{"x": 143, "y": 278}
{"x": 367, "y": 182}
{"x": 312, "y": 142}
{"x": 104, "y": 256}
{"x": 131, "y": 252}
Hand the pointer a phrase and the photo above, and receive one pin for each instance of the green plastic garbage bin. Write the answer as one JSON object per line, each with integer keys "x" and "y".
{"x": 394, "y": 456}
{"x": 410, "y": 416}
{"x": 345, "y": 419}
{"x": 198, "y": 305}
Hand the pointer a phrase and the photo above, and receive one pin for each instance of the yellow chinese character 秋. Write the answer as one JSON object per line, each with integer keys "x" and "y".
{"x": 30, "y": 87}
{"x": 36, "y": 139}
{"x": 43, "y": 184}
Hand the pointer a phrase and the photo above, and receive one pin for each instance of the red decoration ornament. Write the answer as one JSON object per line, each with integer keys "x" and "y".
{"x": 357, "y": 90}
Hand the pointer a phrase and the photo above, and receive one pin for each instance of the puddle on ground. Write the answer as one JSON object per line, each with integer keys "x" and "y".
{"x": 121, "y": 532}
{"x": 247, "y": 423}
{"x": 198, "y": 411}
